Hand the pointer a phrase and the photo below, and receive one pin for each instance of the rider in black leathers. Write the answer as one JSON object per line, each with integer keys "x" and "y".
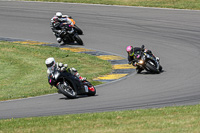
{"x": 134, "y": 51}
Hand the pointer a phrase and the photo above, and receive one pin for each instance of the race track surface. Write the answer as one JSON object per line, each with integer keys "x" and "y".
{"x": 173, "y": 35}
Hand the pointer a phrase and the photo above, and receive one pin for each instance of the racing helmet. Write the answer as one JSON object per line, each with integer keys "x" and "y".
{"x": 59, "y": 14}
{"x": 130, "y": 50}
{"x": 50, "y": 63}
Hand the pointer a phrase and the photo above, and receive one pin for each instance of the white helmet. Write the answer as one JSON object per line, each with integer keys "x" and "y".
{"x": 59, "y": 14}
{"x": 50, "y": 63}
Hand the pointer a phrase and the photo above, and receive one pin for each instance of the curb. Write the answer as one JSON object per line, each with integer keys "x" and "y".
{"x": 120, "y": 68}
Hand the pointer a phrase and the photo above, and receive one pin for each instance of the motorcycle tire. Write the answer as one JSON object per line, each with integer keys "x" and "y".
{"x": 78, "y": 39}
{"x": 139, "y": 70}
{"x": 78, "y": 30}
{"x": 68, "y": 91}
{"x": 160, "y": 68}
{"x": 151, "y": 67}
{"x": 91, "y": 93}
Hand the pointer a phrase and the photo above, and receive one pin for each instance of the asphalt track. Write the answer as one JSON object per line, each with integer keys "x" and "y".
{"x": 173, "y": 35}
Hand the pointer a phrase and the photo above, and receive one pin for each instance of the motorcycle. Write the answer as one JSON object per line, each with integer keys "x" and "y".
{"x": 147, "y": 61}
{"x": 76, "y": 28}
{"x": 70, "y": 85}
{"x": 69, "y": 35}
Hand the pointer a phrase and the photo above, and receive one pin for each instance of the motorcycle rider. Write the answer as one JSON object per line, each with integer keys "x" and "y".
{"x": 134, "y": 51}
{"x": 56, "y": 25}
{"x": 52, "y": 66}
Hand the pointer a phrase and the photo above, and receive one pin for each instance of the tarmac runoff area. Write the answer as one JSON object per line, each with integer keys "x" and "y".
{"x": 120, "y": 68}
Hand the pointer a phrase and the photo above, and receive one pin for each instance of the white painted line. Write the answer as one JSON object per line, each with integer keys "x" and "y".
{"x": 27, "y": 98}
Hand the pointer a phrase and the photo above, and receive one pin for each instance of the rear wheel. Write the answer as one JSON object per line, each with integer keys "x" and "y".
{"x": 66, "y": 89}
{"x": 91, "y": 91}
{"x": 139, "y": 70}
{"x": 160, "y": 68}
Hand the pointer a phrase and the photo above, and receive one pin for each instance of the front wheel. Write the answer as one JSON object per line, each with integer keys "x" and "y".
{"x": 66, "y": 89}
{"x": 79, "y": 31}
{"x": 78, "y": 39}
{"x": 151, "y": 67}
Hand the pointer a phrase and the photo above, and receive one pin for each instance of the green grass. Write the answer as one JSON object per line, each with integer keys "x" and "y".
{"x": 23, "y": 69}
{"x": 179, "y": 4}
{"x": 183, "y": 119}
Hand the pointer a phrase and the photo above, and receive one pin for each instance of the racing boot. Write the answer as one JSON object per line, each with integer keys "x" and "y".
{"x": 75, "y": 72}
{"x": 81, "y": 78}
{"x": 59, "y": 40}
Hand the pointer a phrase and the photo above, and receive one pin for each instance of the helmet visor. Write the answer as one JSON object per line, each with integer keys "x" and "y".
{"x": 131, "y": 53}
{"x": 50, "y": 65}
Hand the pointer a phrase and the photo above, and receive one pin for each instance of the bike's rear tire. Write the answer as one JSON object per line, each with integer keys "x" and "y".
{"x": 68, "y": 91}
{"x": 160, "y": 68}
{"x": 78, "y": 39}
{"x": 91, "y": 93}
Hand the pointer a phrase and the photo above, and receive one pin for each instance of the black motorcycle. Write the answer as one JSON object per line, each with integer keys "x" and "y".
{"x": 77, "y": 29}
{"x": 147, "y": 61}
{"x": 70, "y": 37}
{"x": 70, "y": 85}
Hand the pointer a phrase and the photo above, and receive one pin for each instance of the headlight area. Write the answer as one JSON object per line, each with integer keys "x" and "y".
{"x": 141, "y": 62}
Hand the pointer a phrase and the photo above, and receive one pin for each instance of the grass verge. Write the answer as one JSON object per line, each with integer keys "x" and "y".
{"x": 179, "y": 4}
{"x": 170, "y": 119}
{"x": 23, "y": 71}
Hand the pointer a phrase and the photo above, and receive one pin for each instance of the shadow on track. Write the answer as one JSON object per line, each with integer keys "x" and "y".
{"x": 78, "y": 97}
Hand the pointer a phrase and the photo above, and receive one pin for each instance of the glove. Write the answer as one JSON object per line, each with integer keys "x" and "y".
{"x": 65, "y": 65}
{"x": 62, "y": 69}
{"x": 60, "y": 64}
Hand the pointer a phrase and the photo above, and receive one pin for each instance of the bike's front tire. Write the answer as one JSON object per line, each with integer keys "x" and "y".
{"x": 67, "y": 90}
{"x": 78, "y": 39}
